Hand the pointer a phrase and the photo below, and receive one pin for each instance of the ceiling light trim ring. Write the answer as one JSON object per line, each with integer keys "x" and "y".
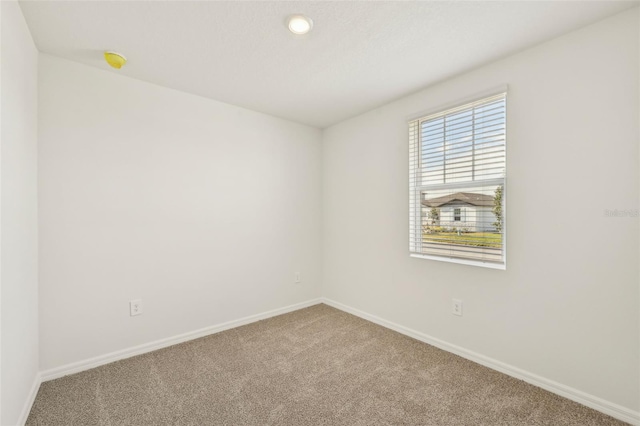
{"x": 299, "y": 24}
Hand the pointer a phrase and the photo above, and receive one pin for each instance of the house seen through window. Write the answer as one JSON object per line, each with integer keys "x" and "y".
{"x": 457, "y": 181}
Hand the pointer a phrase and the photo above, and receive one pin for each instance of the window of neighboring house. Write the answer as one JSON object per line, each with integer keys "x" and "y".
{"x": 457, "y": 158}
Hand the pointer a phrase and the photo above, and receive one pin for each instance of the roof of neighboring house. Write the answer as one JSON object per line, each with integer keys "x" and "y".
{"x": 480, "y": 200}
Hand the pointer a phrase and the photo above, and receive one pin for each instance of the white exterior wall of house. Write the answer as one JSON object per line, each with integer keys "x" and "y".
{"x": 485, "y": 219}
{"x": 472, "y": 218}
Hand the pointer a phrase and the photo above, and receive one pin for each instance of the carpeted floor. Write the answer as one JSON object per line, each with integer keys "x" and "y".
{"x": 315, "y": 366}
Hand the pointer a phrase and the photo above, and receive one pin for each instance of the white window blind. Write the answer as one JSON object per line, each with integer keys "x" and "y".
{"x": 457, "y": 167}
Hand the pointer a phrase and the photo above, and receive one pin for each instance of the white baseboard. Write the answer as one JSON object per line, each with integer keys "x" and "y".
{"x": 87, "y": 364}
{"x": 30, "y": 400}
{"x": 591, "y": 401}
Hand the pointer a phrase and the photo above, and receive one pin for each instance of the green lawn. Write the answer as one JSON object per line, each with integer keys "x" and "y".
{"x": 476, "y": 239}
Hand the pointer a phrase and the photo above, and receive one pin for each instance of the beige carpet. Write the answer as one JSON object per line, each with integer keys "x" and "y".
{"x": 315, "y": 366}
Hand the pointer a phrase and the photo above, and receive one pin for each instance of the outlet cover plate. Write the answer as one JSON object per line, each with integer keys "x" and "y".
{"x": 135, "y": 307}
{"x": 456, "y": 307}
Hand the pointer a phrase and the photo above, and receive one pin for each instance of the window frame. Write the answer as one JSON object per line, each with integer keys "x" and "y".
{"x": 416, "y": 196}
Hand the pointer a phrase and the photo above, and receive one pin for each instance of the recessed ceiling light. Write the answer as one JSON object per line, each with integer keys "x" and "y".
{"x": 299, "y": 24}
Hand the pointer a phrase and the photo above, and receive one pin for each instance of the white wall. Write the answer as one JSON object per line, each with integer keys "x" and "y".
{"x": 203, "y": 210}
{"x": 566, "y": 308}
{"x": 19, "y": 221}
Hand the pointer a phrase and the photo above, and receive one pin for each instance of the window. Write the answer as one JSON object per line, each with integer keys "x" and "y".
{"x": 457, "y": 167}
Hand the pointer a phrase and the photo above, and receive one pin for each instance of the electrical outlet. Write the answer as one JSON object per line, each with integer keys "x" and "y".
{"x": 457, "y": 307}
{"x": 135, "y": 307}
{"x": 298, "y": 278}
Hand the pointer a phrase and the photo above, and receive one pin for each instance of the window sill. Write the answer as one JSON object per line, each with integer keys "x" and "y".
{"x": 501, "y": 266}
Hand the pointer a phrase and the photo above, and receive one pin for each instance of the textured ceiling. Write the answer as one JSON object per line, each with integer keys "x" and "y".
{"x": 360, "y": 55}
